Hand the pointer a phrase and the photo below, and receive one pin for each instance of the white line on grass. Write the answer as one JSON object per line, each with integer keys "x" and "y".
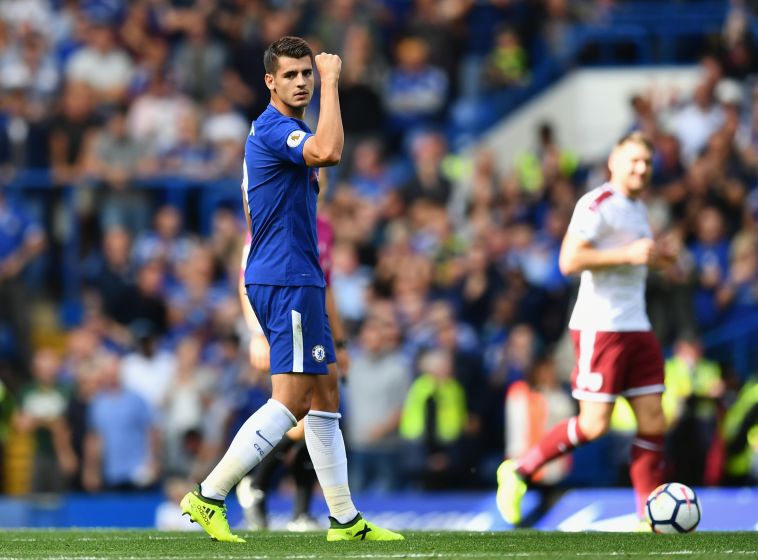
{"x": 374, "y": 556}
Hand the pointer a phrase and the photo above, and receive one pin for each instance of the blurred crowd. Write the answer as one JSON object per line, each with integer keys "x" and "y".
{"x": 445, "y": 268}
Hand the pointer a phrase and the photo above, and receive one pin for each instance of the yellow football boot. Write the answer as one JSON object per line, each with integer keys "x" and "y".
{"x": 360, "y": 530}
{"x": 511, "y": 488}
{"x": 209, "y": 514}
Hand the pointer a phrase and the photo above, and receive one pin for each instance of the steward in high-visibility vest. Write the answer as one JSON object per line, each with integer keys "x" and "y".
{"x": 740, "y": 432}
{"x": 450, "y": 406}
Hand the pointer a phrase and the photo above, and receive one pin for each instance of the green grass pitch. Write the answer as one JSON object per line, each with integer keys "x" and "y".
{"x": 85, "y": 545}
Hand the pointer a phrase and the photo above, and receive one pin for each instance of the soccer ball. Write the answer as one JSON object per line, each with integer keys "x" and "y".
{"x": 673, "y": 508}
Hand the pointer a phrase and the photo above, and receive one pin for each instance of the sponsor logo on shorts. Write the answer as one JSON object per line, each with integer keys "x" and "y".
{"x": 318, "y": 353}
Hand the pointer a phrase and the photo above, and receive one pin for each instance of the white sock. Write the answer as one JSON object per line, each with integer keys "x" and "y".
{"x": 258, "y": 435}
{"x": 327, "y": 450}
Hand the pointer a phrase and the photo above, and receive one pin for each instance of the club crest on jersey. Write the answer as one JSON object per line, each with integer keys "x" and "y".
{"x": 318, "y": 353}
{"x": 294, "y": 139}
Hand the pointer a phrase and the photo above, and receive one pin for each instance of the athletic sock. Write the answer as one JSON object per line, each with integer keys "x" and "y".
{"x": 647, "y": 467}
{"x": 255, "y": 439}
{"x": 564, "y": 437}
{"x": 327, "y": 450}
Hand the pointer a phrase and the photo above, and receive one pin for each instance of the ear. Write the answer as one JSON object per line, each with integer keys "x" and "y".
{"x": 269, "y": 81}
{"x": 612, "y": 158}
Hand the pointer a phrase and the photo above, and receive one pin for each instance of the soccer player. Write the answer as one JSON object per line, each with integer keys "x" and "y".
{"x": 252, "y": 490}
{"x": 286, "y": 290}
{"x": 610, "y": 242}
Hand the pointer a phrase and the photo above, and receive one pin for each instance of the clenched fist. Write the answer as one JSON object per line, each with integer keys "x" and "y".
{"x": 329, "y": 66}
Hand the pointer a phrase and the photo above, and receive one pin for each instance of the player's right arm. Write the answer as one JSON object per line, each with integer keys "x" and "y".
{"x": 578, "y": 254}
{"x": 324, "y": 148}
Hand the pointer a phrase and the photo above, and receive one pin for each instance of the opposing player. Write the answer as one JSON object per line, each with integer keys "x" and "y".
{"x": 285, "y": 286}
{"x": 610, "y": 242}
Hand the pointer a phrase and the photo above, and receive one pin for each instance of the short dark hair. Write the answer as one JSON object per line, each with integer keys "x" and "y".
{"x": 291, "y": 47}
{"x": 636, "y": 137}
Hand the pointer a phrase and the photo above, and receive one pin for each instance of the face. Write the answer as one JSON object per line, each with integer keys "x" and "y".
{"x": 292, "y": 83}
{"x": 631, "y": 166}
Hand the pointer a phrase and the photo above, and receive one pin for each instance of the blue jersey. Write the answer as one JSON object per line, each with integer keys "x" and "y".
{"x": 281, "y": 193}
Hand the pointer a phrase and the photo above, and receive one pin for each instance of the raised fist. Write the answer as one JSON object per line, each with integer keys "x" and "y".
{"x": 329, "y": 66}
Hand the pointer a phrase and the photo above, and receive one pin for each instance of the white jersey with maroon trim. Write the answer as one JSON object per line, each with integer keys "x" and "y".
{"x": 611, "y": 298}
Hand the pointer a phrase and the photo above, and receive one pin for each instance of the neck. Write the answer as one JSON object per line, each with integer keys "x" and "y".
{"x": 287, "y": 110}
{"x": 618, "y": 186}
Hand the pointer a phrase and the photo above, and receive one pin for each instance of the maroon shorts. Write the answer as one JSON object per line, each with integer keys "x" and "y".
{"x": 609, "y": 364}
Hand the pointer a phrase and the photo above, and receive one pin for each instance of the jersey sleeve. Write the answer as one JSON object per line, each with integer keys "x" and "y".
{"x": 286, "y": 140}
{"x": 586, "y": 222}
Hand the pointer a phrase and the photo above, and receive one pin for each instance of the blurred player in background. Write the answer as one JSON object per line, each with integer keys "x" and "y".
{"x": 285, "y": 286}
{"x": 609, "y": 241}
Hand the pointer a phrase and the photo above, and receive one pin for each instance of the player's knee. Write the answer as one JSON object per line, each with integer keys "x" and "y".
{"x": 326, "y": 398}
{"x": 300, "y": 408}
{"x": 327, "y": 393}
{"x": 297, "y": 403}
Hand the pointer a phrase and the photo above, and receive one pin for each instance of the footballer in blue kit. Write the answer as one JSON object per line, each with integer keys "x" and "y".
{"x": 288, "y": 297}
{"x": 286, "y": 289}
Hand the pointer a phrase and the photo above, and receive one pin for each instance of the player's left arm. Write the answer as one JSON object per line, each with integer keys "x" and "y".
{"x": 338, "y": 333}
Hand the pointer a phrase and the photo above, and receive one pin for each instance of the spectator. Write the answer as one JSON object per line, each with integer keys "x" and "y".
{"x": 122, "y": 446}
{"x": 148, "y": 371}
{"x": 6, "y": 410}
{"x": 533, "y": 406}
{"x": 198, "y": 61}
{"x": 86, "y": 385}
{"x": 31, "y": 68}
{"x": 710, "y": 252}
{"x": 167, "y": 242}
{"x": 428, "y": 181}
{"x": 111, "y": 275}
{"x": 375, "y": 448}
{"x": 71, "y": 131}
{"x": 698, "y": 120}
{"x": 191, "y": 156}
{"x": 24, "y": 132}
{"x": 154, "y": 116}
{"x": 21, "y": 240}
{"x": 350, "y": 283}
{"x": 738, "y": 293}
{"x": 506, "y": 64}
{"x": 41, "y": 413}
{"x": 692, "y": 403}
{"x": 101, "y": 65}
{"x": 186, "y": 405}
{"x": 146, "y": 298}
{"x": 225, "y": 130}
{"x": 116, "y": 161}
{"x": 740, "y": 432}
{"x": 416, "y": 92}
{"x": 364, "y": 71}
{"x": 433, "y": 421}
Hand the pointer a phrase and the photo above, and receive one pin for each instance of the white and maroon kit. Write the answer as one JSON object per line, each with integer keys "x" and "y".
{"x": 617, "y": 353}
